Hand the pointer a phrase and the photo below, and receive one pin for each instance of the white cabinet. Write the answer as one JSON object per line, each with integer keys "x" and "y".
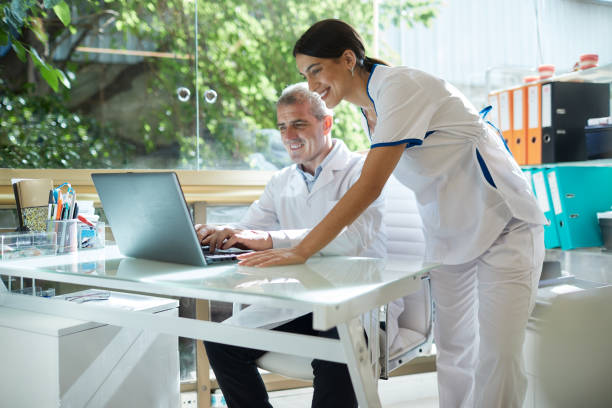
{"x": 50, "y": 361}
{"x": 587, "y": 273}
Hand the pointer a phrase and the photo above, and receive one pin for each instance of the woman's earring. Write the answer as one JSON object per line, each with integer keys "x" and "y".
{"x": 353, "y": 71}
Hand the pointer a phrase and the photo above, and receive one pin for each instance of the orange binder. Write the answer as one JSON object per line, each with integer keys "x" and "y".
{"x": 519, "y": 125}
{"x": 534, "y": 124}
{"x": 505, "y": 117}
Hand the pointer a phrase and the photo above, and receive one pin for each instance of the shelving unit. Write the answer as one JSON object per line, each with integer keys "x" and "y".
{"x": 602, "y": 74}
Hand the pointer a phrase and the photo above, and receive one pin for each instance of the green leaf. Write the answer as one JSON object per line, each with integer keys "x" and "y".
{"x": 3, "y": 38}
{"x": 47, "y": 72}
{"x": 38, "y": 29}
{"x": 19, "y": 9}
{"x": 63, "y": 12}
{"x": 37, "y": 60}
{"x": 50, "y": 3}
{"x": 63, "y": 78}
{"x": 49, "y": 75}
{"x": 19, "y": 50}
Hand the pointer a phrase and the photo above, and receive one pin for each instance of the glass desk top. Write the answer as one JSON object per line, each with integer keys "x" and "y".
{"x": 321, "y": 281}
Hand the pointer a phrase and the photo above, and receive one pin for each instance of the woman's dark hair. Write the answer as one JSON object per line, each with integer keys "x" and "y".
{"x": 330, "y": 38}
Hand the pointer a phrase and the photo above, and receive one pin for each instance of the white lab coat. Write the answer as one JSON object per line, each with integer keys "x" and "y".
{"x": 289, "y": 211}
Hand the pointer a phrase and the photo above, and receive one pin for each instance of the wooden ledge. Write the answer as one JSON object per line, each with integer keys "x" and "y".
{"x": 217, "y": 187}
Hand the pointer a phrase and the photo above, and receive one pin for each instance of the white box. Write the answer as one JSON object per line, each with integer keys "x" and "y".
{"x": 50, "y": 361}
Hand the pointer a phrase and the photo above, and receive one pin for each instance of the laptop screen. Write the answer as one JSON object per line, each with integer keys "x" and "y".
{"x": 149, "y": 216}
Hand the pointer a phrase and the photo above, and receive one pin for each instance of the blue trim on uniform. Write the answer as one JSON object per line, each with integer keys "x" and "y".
{"x": 429, "y": 133}
{"x": 485, "y": 169}
{"x": 367, "y": 124}
{"x": 408, "y": 142}
{"x": 483, "y": 113}
{"x": 368, "y": 87}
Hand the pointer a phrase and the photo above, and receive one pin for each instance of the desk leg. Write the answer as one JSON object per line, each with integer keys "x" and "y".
{"x": 358, "y": 362}
{"x": 202, "y": 364}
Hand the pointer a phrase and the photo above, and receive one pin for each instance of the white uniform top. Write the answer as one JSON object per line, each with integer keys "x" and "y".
{"x": 289, "y": 211}
{"x": 467, "y": 184}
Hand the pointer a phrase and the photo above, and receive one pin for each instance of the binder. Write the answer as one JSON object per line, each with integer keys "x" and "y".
{"x": 577, "y": 194}
{"x": 519, "y": 125}
{"x": 566, "y": 106}
{"x": 534, "y": 124}
{"x": 543, "y": 198}
{"x": 505, "y": 117}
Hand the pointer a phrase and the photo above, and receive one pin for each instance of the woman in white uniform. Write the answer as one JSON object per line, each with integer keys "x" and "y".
{"x": 481, "y": 221}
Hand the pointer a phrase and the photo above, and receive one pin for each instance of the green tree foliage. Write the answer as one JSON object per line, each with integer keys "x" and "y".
{"x": 40, "y": 130}
{"x": 243, "y": 52}
{"x": 22, "y": 15}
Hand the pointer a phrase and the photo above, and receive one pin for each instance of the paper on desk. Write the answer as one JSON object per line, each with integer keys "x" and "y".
{"x": 550, "y": 292}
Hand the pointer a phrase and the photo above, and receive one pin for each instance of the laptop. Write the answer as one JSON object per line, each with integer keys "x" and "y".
{"x": 150, "y": 218}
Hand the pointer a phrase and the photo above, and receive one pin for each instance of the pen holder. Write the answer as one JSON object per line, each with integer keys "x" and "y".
{"x": 92, "y": 237}
{"x": 67, "y": 234}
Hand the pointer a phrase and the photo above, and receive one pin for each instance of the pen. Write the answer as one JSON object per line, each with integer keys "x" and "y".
{"x": 50, "y": 212}
{"x": 72, "y": 206}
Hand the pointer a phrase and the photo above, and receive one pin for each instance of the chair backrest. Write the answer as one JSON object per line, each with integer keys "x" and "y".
{"x": 402, "y": 222}
{"x": 405, "y": 240}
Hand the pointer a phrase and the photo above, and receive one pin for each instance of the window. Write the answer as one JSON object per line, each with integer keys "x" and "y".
{"x": 178, "y": 84}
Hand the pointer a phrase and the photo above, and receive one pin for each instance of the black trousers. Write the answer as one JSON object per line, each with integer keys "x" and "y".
{"x": 242, "y": 386}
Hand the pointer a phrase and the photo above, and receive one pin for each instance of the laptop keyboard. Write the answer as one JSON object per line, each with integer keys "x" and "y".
{"x": 222, "y": 255}
{"x": 220, "y": 258}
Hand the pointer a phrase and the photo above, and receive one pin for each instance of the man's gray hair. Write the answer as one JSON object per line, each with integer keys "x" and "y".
{"x": 299, "y": 93}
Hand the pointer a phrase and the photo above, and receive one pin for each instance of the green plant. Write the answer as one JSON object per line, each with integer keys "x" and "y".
{"x": 243, "y": 52}
{"x": 38, "y": 131}
{"x": 22, "y": 15}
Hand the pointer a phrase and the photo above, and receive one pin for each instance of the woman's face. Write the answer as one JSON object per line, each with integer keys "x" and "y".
{"x": 328, "y": 77}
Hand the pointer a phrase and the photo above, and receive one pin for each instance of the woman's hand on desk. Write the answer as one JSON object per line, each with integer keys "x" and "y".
{"x": 285, "y": 256}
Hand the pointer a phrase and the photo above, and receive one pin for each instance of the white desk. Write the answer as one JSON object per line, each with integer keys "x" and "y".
{"x": 337, "y": 290}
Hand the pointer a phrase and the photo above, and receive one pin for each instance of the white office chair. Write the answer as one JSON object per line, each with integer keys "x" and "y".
{"x": 404, "y": 240}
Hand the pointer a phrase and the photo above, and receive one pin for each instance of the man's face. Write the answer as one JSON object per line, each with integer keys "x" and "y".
{"x": 306, "y": 138}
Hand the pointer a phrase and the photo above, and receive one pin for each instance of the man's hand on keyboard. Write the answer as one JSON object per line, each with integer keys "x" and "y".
{"x": 225, "y": 237}
{"x": 251, "y": 239}
{"x": 213, "y": 236}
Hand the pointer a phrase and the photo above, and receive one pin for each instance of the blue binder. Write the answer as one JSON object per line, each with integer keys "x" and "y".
{"x": 577, "y": 194}
{"x": 542, "y": 194}
{"x": 527, "y": 171}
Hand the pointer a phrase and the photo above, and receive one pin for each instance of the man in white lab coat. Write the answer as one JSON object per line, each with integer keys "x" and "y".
{"x": 295, "y": 200}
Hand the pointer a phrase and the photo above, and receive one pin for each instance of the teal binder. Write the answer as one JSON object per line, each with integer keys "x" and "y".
{"x": 542, "y": 194}
{"x": 577, "y": 194}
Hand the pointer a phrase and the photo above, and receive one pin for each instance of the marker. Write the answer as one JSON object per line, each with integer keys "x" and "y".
{"x": 50, "y": 212}
{"x": 60, "y": 207}
{"x": 85, "y": 220}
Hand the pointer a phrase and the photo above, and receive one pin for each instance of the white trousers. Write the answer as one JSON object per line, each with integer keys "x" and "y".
{"x": 482, "y": 309}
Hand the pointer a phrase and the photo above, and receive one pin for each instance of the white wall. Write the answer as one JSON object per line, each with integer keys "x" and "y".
{"x": 470, "y": 36}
